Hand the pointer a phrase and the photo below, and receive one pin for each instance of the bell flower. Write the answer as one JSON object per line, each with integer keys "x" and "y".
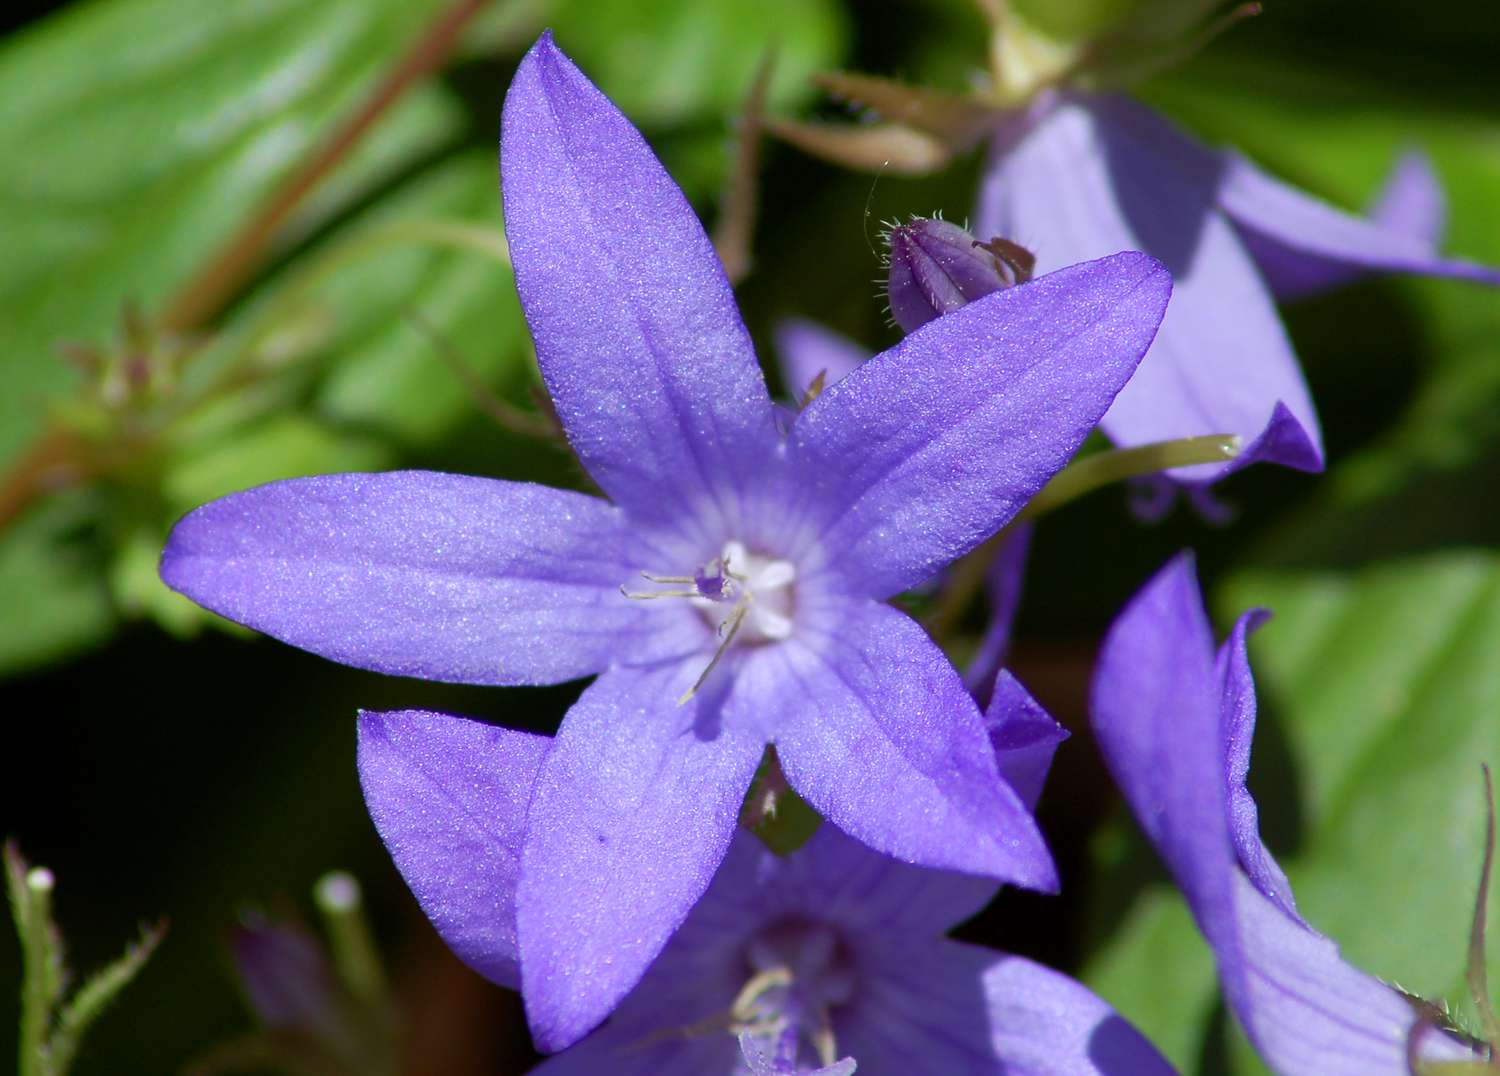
{"x": 1174, "y": 720}
{"x": 830, "y": 958}
{"x": 1074, "y": 172}
{"x": 729, "y": 591}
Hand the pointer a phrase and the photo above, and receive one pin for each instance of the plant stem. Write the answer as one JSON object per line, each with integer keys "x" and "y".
{"x": 36, "y": 990}
{"x": 1073, "y": 481}
{"x": 1117, "y": 465}
{"x": 354, "y": 953}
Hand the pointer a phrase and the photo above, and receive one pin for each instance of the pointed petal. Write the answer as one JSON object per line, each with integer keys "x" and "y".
{"x": 1164, "y": 714}
{"x": 1308, "y": 1012}
{"x": 1412, "y": 201}
{"x": 931, "y": 447}
{"x": 630, "y": 816}
{"x": 1094, "y": 175}
{"x": 1239, "y": 729}
{"x": 876, "y": 732}
{"x": 1155, "y": 706}
{"x": 950, "y": 1007}
{"x": 1024, "y": 736}
{"x": 1304, "y": 245}
{"x": 416, "y": 573}
{"x": 636, "y": 329}
{"x": 449, "y": 798}
{"x": 806, "y": 349}
{"x": 1003, "y": 583}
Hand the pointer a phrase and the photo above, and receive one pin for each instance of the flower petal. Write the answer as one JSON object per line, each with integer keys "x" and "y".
{"x": 636, "y": 329}
{"x": 630, "y": 816}
{"x": 806, "y": 349}
{"x": 1239, "y": 717}
{"x": 951, "y": 1007}
{"x": 875, "y": 730}
{"x": 1024, "y": 736}
{"x": 1412, "y": 201}
{"x": 1304, "y": 245}
{"x": 848, "y": 884}
{"x": 416, "y": 573}
{"x": 609, "y": 1051}
{"x": 1155, "y": 705}
{"x": 1092, "y": 175}
{"x": 449, "y": 797}
{"x": 1165, "y": 717}
{"x": 931, "y": 447}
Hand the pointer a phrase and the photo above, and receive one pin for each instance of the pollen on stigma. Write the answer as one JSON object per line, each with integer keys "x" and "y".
{"x": 759, "y": 591}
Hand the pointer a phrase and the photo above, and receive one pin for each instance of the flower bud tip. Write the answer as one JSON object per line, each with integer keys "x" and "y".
{"x": 337, "y": 891}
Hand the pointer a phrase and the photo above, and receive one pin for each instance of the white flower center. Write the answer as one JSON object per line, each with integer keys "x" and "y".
{"x": 762, "y": 584}
{"x": 743, "y": 595}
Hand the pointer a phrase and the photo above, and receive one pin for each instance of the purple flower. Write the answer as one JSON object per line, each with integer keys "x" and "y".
{"x": 1174, "y": 720}
{"x": 913, "y": 460}
{"x": 1078, "y": 176}
{"x": 808, "y": 963}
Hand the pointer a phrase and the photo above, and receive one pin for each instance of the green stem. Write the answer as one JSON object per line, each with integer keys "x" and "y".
{"x": 354, "y": 953}
{"x": 1479, "y": 982}
{"x": 1117, "y": 465}
{"x": 36, "y": 991}
{"x": 1073, "y": 481}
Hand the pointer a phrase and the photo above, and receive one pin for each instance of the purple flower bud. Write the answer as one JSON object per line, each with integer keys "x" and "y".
{"x": 286, "y": 977}
{"x": 936, "y": 267}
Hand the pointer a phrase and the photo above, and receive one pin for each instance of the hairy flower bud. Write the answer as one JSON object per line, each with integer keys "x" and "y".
{"x": 936, "y": 267}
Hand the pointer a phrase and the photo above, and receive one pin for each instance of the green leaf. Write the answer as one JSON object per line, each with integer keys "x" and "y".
{"x": 1152, "y": 964}
{"x": 50, "y": 568}
{"x": 95, "y": 995}
{"x": 383, "y": 374}
{"x": 141, "y": 132}
{"x": 674, "y": 61}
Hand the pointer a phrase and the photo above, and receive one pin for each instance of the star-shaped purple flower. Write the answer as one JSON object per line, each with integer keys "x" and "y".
{"x": 830, "y": 957}
{"x": 1079, "y": 175}
{"x": 730, "y": 592}
{"x": 1174, "y": 721}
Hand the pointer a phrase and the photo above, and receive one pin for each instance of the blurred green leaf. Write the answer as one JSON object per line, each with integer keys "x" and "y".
{"x": 674, "y": 61}
{"x": 50, "y": 576}
{"x": 139, "y": 133}
{"x": 382, "y": 373}
{"x": 1157, "y": 971}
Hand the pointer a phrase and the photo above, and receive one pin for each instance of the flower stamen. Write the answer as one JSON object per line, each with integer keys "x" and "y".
{"x": 757, "y": 588}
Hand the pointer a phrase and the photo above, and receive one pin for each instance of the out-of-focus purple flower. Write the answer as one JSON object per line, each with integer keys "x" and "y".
{"x": 287, "y": 979}
{"x": 808, "y": 352}
{"x": 1078, "y": 175}
{"x": 832, "y": 955}
{"x": 1174, "y": 720}
{"x": 909, "y": 462}
{"x": 936, "y": 267}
